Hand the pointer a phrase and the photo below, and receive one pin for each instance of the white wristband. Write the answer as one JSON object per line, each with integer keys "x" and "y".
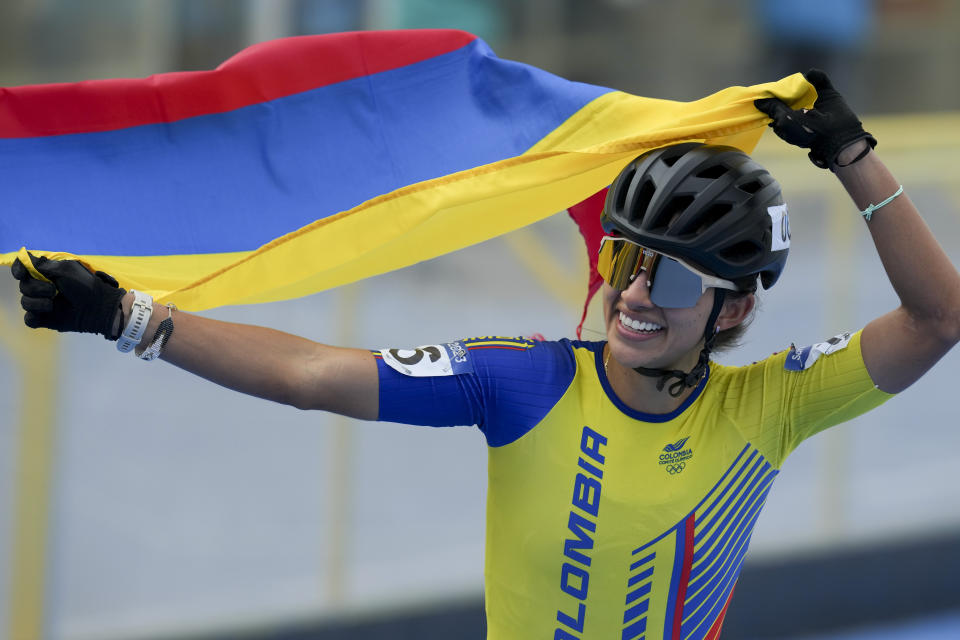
{"x": 140, "y": 314}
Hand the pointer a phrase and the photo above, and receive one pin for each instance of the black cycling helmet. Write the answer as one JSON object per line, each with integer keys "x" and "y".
{"x": 708, "y": 205}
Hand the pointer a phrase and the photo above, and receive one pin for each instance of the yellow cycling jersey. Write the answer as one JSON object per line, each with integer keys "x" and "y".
{"x": 605, "y": 522}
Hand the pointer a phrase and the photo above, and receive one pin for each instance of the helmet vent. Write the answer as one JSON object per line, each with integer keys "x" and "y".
{"x": 742, "y": 252}
{"x": 669, "y": 213}
{"x": 641, "y": 200}
{"x": 713, "y": 172}
{"x": 624, "y": 187}
{"x": 750, "y": 187}
{"x": 712, "y": 215}
{"x": 670, "y": 159}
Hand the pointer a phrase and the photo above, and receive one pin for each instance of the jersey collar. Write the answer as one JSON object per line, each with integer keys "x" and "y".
{"x": 640, "y": 415}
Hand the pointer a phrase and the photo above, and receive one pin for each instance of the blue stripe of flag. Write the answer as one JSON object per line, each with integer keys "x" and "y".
{"x": 237, "y": 180}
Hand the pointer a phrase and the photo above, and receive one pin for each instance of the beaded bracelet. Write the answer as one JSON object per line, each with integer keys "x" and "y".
{"x": 161, "y": 337}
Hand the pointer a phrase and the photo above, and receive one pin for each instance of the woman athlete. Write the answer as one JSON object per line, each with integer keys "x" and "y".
{"x": 625, "y": 475}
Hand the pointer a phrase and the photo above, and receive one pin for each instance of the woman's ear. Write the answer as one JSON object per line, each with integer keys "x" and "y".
{"x": 735, "y": 310}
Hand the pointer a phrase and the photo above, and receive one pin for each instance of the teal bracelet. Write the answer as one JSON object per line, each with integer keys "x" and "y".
{"x": 868, "y": 212}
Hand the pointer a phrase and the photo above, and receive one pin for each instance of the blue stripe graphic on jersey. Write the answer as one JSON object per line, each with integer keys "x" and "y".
{"x": 722, "y": 526}
{"x": 712, "y": 599}
{"x": 642, "y": 561}
{"x": 711, "y": 589}
{"x": 727, "y": 483}
{"x": 640, "y": 577}
{"x": 707, "y": 552}
{"x": 721, "y": 544}
{"x": 727, "y": 512}
{"x": 708, "y": 569}
{"x": 641, "y": 607}
{"x": 734, "y": 469}
{"x": 637, "y": 579}
{"x": 714, "y": 596}
{"x": 634, "y": 630}
{"x": 643, "y": 591}
{"x": 638, "y": 600}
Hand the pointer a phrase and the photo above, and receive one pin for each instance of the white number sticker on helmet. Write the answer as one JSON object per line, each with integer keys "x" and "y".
{"x": 780, "y": 224}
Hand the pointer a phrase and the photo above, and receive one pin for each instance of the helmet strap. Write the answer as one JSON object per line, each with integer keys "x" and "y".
{"x": 691, "y": 378}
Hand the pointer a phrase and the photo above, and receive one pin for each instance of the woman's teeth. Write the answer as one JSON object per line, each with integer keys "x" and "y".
{"x": 636, "y": 325}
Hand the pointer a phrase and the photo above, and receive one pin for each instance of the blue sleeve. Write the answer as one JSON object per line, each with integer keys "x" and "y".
{"x": 505, "y": 386}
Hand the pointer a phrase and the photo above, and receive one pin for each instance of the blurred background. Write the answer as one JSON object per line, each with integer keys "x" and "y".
{"x": 145, "y": 504}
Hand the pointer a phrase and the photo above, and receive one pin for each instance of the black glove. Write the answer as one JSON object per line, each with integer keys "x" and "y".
{"x": 76, "y": 301}
{"x": 827, "y": 129}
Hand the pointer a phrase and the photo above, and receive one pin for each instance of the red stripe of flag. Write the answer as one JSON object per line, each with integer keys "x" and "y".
{"x": 260, "y": 73}
{"x": 587, "y": 216}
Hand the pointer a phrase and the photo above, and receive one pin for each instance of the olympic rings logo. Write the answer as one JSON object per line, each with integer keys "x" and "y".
{"x": 676, "y": 468}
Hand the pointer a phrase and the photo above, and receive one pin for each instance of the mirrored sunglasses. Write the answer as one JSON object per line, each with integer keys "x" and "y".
{"x": 673, "y": 284}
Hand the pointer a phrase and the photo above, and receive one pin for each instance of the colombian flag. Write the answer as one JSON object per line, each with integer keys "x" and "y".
{"x": 306, "y": 163}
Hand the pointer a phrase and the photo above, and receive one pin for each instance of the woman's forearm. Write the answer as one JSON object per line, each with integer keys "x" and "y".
{"x": 268, "y": 364}
{"x": 922, "y": 275}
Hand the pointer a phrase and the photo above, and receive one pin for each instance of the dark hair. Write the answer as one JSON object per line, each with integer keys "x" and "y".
{"x": 730, "y": 338}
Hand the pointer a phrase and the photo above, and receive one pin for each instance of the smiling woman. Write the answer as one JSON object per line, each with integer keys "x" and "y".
{"x": 677, "y": 213}
{"x": 625, "y": 476}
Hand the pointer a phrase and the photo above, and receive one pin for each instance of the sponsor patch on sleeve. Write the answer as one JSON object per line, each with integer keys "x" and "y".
{"x": 800, "y": 359}
{"x": 448, "y": 359}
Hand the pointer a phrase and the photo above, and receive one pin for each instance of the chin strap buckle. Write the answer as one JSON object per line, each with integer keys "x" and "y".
{"x": 693, "y": 378}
